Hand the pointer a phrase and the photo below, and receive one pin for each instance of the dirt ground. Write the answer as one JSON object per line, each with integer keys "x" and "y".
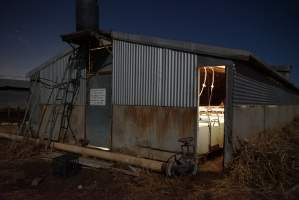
{"x": 16, "y": 176}
{"x": 19, "y": 169}
{"x": 8, "y": 128}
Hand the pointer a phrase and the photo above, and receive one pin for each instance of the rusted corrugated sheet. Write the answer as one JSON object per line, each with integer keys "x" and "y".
{"x": 151, "y": 76}
{"x": 152, "y": 127}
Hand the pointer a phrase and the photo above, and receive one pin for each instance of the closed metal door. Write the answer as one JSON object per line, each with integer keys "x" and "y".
{"x": 99, "y": 111}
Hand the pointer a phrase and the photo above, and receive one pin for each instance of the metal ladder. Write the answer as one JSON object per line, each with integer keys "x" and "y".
{"x": 64, "y": 100}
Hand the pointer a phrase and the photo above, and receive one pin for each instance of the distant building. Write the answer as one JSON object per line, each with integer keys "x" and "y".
{"x": 13, "y": 97}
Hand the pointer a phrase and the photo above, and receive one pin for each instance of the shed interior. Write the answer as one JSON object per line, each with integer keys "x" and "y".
{"x": 210, "y": 112}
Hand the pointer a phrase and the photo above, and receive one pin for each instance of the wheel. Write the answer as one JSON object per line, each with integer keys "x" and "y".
{"x": 179, "y": 165}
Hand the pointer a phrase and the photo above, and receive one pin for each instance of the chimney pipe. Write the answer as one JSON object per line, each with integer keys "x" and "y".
{"x": 87, "y": 15}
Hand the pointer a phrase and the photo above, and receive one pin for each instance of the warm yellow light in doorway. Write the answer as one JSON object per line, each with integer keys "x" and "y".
{"x": 221, "y": 67}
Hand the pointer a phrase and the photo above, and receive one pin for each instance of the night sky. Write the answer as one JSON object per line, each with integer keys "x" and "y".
{"x": 30, "y": 29}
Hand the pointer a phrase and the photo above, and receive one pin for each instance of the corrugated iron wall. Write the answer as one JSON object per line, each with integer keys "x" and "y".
{"x": 253, "y": 88}
{"x": 53, "y": 72}
{"x": 151, "y": 76}
{"x": 250, "y": 91}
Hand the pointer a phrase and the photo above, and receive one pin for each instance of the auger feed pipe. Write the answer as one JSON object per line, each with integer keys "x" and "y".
{"x": 153, "y": 165}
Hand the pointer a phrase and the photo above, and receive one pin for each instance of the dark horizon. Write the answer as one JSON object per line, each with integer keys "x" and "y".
{"x": 31, "y": 29}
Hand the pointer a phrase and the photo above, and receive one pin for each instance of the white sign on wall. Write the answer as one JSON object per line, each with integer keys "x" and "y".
{"x": 97, "y": 97}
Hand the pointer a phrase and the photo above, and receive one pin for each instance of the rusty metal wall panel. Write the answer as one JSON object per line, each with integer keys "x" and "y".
{"x": 151, "y": 127}
{"x": 54, "y": 72}
{"x": 151, "y": 76}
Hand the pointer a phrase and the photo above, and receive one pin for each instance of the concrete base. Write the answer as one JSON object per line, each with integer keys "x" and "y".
{"x": 250, "y": 120}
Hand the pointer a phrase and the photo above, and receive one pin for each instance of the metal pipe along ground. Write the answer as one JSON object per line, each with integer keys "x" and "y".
{"x": 112, "y": 156}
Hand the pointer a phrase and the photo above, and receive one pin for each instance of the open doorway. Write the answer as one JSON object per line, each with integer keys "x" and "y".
{"x": 210, "y": 114}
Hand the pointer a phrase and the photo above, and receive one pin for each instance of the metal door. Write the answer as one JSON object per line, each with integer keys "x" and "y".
{"x": 99, "y": 111}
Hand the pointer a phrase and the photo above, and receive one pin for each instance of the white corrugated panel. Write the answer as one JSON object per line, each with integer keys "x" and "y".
{"x": 152, "y": 76}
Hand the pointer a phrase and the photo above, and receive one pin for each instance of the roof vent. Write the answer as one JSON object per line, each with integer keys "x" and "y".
{"x": 283, "y": 70}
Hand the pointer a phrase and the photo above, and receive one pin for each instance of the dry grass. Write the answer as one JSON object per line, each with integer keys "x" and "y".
{"x": 266, "y": 163}
{"x": 264, "y": 167}
{"x": 23, "y": 149}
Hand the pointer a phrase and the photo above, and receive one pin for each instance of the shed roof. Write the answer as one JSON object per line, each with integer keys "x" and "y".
{"x": 49, "y": 62}
{"x": 184, "y": 46}
{"x": 196, "y": 48}
{"x": 282, "y": 68}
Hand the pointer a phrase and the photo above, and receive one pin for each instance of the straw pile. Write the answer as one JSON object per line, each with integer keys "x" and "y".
{"x": 269, "y": 161}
